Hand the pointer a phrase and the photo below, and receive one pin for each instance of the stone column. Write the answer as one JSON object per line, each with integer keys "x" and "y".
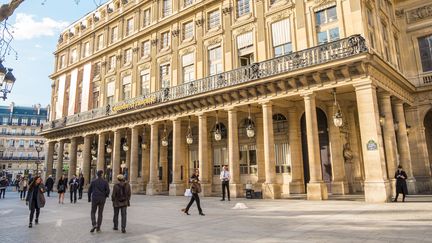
{"x": 59, "y": 168}
{"x": 128, "y": 153}
{"x": 260, "y": 150}
{"x": 101, "y": 152}
{"x": 270, "y": 188}
{"x": 391, "y": 152}
{"x": 204, "y": 162}
{"x": 116, "y": 155}
{"x": 376, "y": 185}
{"x": 297, "y": 183}
{"x": 339, "y": 183}
{"x": 153, "y": 186}
{"x": 145, "y": 165}
{"x": 87, "y": 158}
{"x": 403, "y": 146}
{"x": 73, "y": 157}
{"x": 133, "y": 169}
{"x": 236, "y": 188}
{"x": 49, "y": 161}
{"x": 177, "y": 186}
{"x": 316, "y": 189}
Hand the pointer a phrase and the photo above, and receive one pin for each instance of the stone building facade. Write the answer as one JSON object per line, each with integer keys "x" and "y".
{"x": 296, "y": 96}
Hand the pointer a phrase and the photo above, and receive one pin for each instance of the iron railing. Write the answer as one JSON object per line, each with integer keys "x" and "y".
{"x": 324, "y": 53}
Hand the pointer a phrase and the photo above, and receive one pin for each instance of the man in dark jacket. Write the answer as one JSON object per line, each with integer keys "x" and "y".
{"x": 121, "y": 200}
{"x": 73, "y": 187}
{"x": 81, "y": 186}
{"x": 97, "y": 193}
{"x": 49, "y": 184}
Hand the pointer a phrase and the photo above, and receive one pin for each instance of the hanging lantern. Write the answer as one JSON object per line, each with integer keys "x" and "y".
{"x": 189, "y": 137}
{"x": 164, "y": 137}
{"x": 125, "y": 147}
{"x": 217, "y": 133}
{"x": 337, "y": 117}
{"x": 108, "y": 145}
{"x": 250, "y": 130}
{"x": 144, "y": 144}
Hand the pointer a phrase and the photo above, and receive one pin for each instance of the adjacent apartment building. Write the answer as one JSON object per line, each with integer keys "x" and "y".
{"x": 312, "y": 97}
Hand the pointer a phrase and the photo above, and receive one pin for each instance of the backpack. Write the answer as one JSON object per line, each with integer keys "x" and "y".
{"x": 122, "y": 197}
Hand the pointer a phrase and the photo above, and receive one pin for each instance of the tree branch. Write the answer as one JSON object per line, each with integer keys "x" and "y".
{"x": 6, "y": 10}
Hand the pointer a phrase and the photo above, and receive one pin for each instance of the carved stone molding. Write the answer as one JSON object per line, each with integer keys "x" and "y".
{"x": 164, "y": 59}
{"x": 226, "y": 10}
{"x": 213, "y": 41}
{"x": 419, "y": 14}
{"x": 187, "y": 51}
{"x": 281, "y": 15}
{"x": 244, "y": 29}
{"x": 175, "y": 32}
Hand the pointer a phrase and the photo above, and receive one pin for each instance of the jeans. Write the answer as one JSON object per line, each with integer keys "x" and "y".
{"x": 74, "y": 194}
{"x": 23, "y": 194}
{"x": 225, "y": 184}
{"x": 97, "y": 204}
{"x": 2, "y": 191}
{"x": 123, "y": 217}
{"x": 196, "y": 198}
{"x": 48, "y": 192}
{"x": 32, "y": 211}
{"x": 80, "y": 191}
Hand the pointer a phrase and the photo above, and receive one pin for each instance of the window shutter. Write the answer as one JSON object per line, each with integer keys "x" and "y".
{"x": 188, "y": 59}
{"x": 281, "y": 32}
{"x": 110, "y": 89}
{"x": 245, "y": 40}
{"x": 127, "y": 79}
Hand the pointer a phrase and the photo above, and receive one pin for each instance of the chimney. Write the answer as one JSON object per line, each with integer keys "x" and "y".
{"x": 38, "y": 107}
{"x": 11, "y": 107}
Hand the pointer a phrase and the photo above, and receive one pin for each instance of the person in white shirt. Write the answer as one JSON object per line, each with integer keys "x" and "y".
{"x": 225, "y": 178}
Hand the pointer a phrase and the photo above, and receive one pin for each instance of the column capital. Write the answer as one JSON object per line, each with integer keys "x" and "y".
{"x": 231, "y": 108}
{"x": 266, "y": 103}
{"x": 397, "y": 102}
{"x": 366, "y": 84}
{"x": 383, "y": 94}
{"x": 308, "y": 94}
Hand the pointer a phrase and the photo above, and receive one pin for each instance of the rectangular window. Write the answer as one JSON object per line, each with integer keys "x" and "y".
{"x": 13, "y": 131}
{"x": 112, "y": 63}
{"x": 62, "y": 61}
{"x": 220, "y": 157}
{"x": 425, "y": 48}
{"x": 100, "y": 42}
{"x": 145, "y": 48}
{"x": 188, "y": 30}
{"x": 127, "y": 56}
{"x": 73, "y": 56}
{"x": 371, "y": 27}
{"x": 4, "y": 130}
{"x": 21, "y": 143}
{"x": 129, "y": 26}
{"x": 126, "y": 87}
{"x": 24, "y": 121}
{"x": 215, "y": 60}
{"x": 165, "y": 76}
{"x": 166, "y": 8}
{"x": 147, "y": 18}
{"x": 213, "y": 19}
{"x": 15, "y": 121}
{"x": 95, "y": 99}
{"x": 145, "y": 82}
{"x": 326, "y": 16}
{"x": 397, "y": 50}
{"x": 114, "y": 34}
{"x": 245, "y": 49}
{"x": 86, "y": 49}
{"x": 31, "y": 143}
{"x": 248, "y": 164}
{"x": 281, "y": 37}
{"x": 386, "y": 52}
{"x": 328, "y": 35}
{"x": 165, "y": 40}
{"x": 33, "y": 132}
{"x": 282, "y": 157}
{"x": 187, "y": 3}
{"x": 110, "y": 90}
{"x": 5, "y": 120}
{"x": 97, "y": 69}
{"x": 243, "y": 7}
{"x": 34, "y": 122}
{"x": 23, "y": 131}
{"x": 188, "y": 68}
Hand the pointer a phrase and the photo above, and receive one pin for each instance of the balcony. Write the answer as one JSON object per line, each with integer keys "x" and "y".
{"x": 13, "y": 158}
{"x": 423, "y": 79}
{"x": 337, "y": 50}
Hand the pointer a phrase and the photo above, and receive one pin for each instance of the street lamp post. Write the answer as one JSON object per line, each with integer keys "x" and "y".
{"x": 38, "y": 146}
{"x": 7, "y": 80}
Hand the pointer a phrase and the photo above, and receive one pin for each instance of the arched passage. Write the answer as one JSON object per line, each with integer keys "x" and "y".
{"x": 427, "y": 123}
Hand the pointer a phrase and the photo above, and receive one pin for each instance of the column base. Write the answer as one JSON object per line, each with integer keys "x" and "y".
{"x": 236, "y": 190}
{"x": 317, "y": 191}
{"x": 377, "y": 192}
{"x": 135, "y": 187}
{"x": 411, "y": 184}
{"x": 176, "y": 189}
{"x": 296, "y": 187}
{"x": 392, "y": 183}
{"x": 206, "y": 189}
{"x": 339, "y": 188}
{"x": 271, "y": 191}
{"x": 154, "y": 189}
{"x": 423, "y": 184}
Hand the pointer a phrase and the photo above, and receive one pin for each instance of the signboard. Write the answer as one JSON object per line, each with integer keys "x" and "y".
{"x": 371, "y": 145}
{"x": 135, "y": 105}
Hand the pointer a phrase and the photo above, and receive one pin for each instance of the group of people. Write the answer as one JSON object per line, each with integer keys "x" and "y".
{"x": 75, "y": 185}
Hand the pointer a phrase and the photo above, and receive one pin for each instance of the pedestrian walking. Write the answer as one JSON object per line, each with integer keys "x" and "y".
{"x": 195, "y": 189}
{"x": 35, "y": 199}
{"x": 23, "y": 184}
{"x": 81, "y": 185}
{"x": 121, "y": 200}
{"x": 61, "y": 188}
{"x": 3, "y": 185}
{"x": 225, "y": 177}
{"x": 97, "y": 193}
{"x": 73, "y": 188}
{"x": 49, "y": 184}
{"x": 401, "y": 186}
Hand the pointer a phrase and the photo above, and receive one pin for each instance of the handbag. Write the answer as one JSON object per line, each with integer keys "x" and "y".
{"x": 41, "y": 200}
{"x": 188, "y": 193}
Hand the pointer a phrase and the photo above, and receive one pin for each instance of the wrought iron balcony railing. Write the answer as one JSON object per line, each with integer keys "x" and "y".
{"x": 324, "y": 53}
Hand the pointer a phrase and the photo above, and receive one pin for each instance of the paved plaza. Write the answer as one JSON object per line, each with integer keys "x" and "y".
{"x": 158, "y": 219}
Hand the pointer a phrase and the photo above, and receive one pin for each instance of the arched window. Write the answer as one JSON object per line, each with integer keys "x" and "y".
{"x": 280, "y": 124}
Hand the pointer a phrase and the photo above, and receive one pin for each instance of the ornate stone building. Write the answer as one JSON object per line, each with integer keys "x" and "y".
{"x": 296, "y": 96}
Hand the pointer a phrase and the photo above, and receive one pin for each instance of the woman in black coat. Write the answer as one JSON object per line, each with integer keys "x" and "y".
{"x": 35, "y": 199}
{"x": 61, "y": 188}
{"x": 195, "y": 189}
{"x": 401, "y": 186}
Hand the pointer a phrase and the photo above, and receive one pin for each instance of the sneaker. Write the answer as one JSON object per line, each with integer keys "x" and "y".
{"x": 123, "y": 231}
{"x": 30, "y": 225}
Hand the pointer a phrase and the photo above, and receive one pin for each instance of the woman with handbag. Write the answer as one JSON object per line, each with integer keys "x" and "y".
{"x": 35, "y": 199}
{"x": 61, "y": 188}
{"x": 195, "y": 189}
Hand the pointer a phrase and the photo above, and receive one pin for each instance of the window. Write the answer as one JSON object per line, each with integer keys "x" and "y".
{"x": 73, "y": 56}
{"x": 385, "y": 41}
{"x": 110, "y": 89}
{"x": 145, "y": 82}
{"x": 33, "y": 132}
{"x": 86, "y": 49}
{"x": 21, "y": 143}
{"x": 14, "y": 121}
{"x": 100, "y": 42}
{"x": 281, "y": 37}
{"x": 62, "y": 61}
{"x": 23, "y": 131}
{"x": 42, "y": 121}
{"x": 248, "y": 162}
{"x": 425, "y": 46}
{"x": 127, "y": 56}
{"x": 328, "y": 35}
{"x": 12, "y": 143}
{"x": 13, "y": 131}
{"x": 34, "y": 121}
{"x": 187, "y": 3}
{"x": 166, "y": 8}
{"x": 282, "y": 157}
{"x": 188, "y": 68}
{"x": 4, "y": 130}
{"x": 213, "y": 19}
{"x": 220, "y": 158}
{"x": 95, "y": 103}
{"x": 112, "y": 63}
{"x": 371, "y": 27}
{"x": 129, "y": 26}
{"x": 397, "y": 50}
{"x": 245, "y": 48}
{"x": 165, "y": 76}
{"x": 215, "y": 60}
{"x": 97, "y": 69}
{"x": 326, "y": 16}
{"x": 24, "y": 121}
{"x": 165, "y": 40}
{"x": 145, "y": 48}
{"x": 114, "y": 34}
{"x": 5, "y": 120}
{"x": 243, "y": 7}
{"x": 31, "y": 143}
{"x": 126, "y": 87}
{"x": 327, "y": 28}
{"x": 147, "y": 18}
{"x": 188, "y": 30}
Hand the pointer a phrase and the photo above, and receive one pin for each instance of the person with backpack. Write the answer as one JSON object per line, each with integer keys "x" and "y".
{"x": 121, "y": 200}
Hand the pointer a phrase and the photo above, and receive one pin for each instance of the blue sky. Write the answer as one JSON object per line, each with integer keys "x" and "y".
{"x": 36, "y": 32}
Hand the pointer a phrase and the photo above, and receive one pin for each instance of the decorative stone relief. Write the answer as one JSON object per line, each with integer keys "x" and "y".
{"x": 243, "y": 29}
{"x": 187, "y": 50}
{"x": 419, "y": 14}
{"x": 281, "y": 15}
{"x": 213, "y": 41}
{"x": 164, "y": 59}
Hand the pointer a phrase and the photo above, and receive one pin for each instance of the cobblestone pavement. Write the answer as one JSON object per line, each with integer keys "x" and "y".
{"x": 159, "y": 219}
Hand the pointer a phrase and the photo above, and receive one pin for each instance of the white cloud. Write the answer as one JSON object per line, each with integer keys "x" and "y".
{"x": 26, "y": 27}
{"x": 38, "y": 46}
